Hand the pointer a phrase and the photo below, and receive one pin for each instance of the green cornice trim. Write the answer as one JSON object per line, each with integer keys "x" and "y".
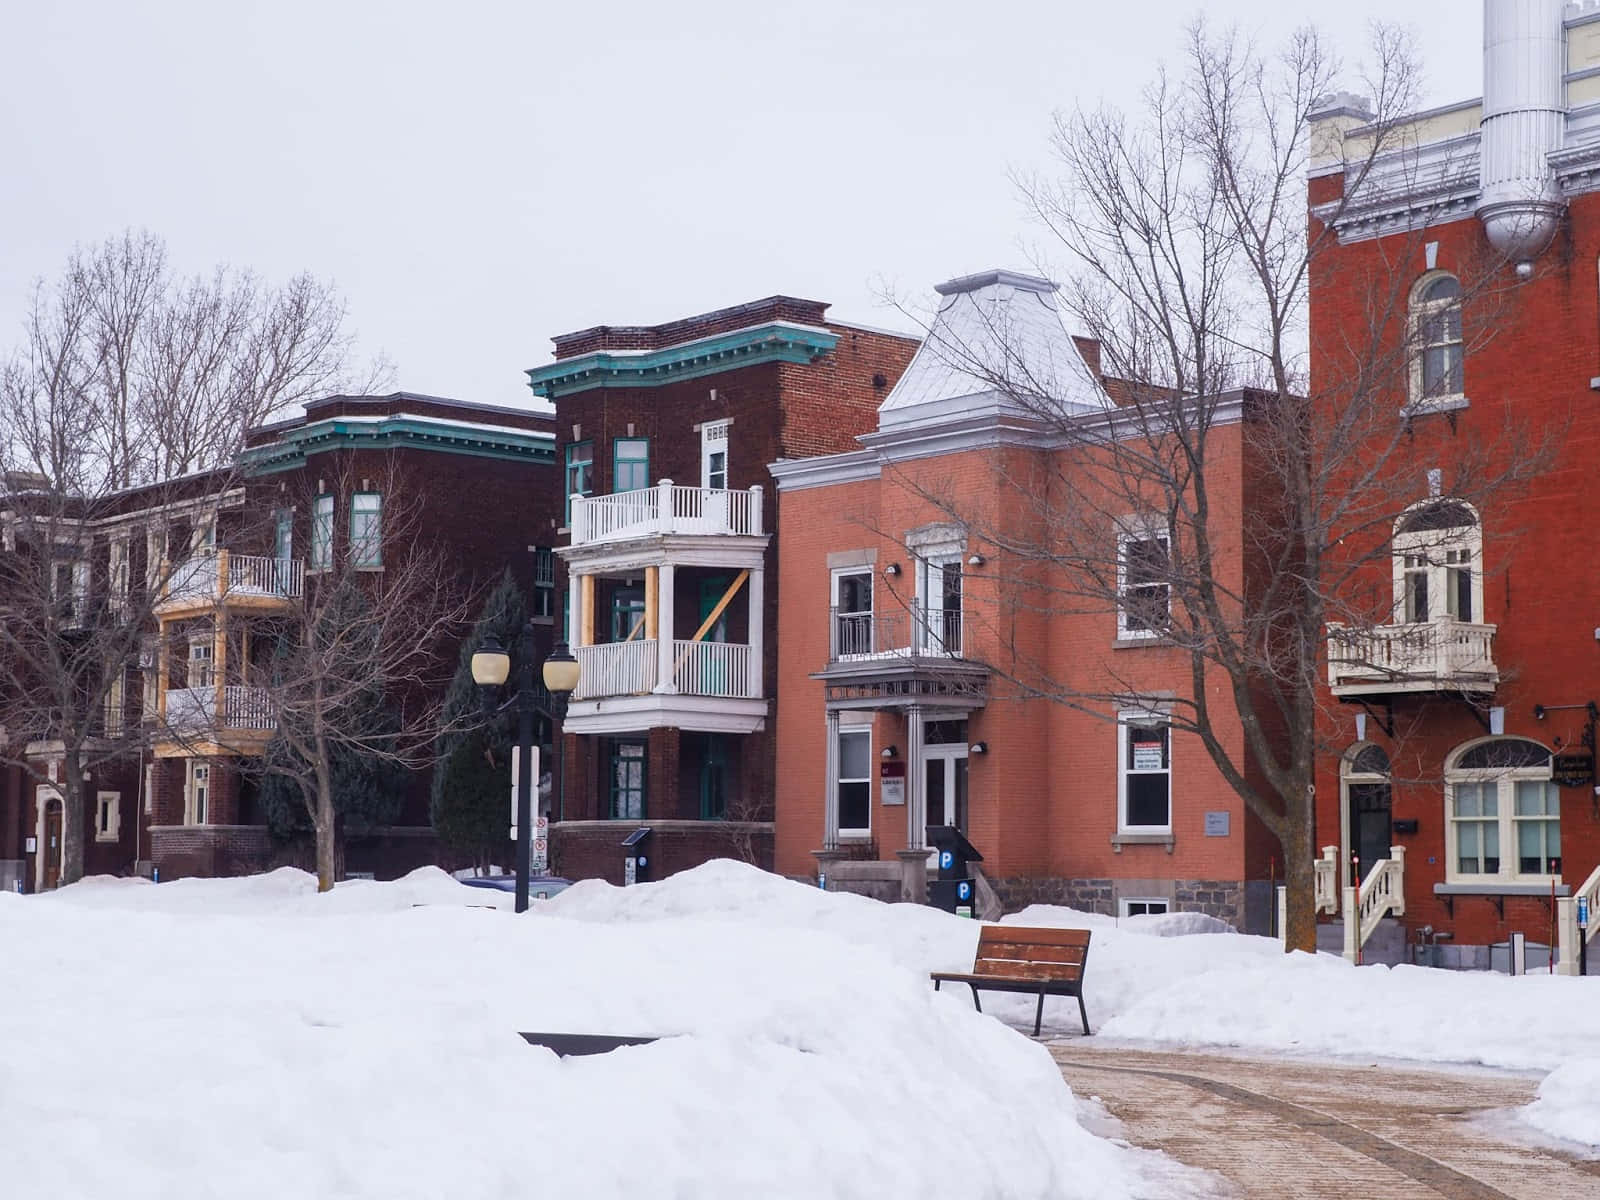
{"x": 775, "y": 341}
{"x": 292, "y": 448}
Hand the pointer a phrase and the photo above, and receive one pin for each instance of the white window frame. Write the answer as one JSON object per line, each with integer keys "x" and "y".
{"x": 853, "y": 832}
{"x": 1419, "y": 312}
{"x": 196, "y": 791}
{"x": 149, "y": 788}
{"x": 851, "y": 647}
{"x": 1140, "y": 530}
{"x": 713, "y": 441}
{"x": 202, "y": 649}
{"x": 322, "y": 518}
{"x": 1128, "y": 718}
{"x": 107, "y": 816}
{"x": 283, "y": 534}
{"x": 366, "y": 536}
{"x": 113, "y": 713}
{"x": 1506, "y": 819}
{"x": 1127, "y": 902}
{"x": 117, "y": 560}
{"x": 78, "y": 615}
{"x": 1437, "y": 555}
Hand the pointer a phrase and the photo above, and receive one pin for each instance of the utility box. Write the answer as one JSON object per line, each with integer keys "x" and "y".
{"x": 953, "y": 890}
{"x": 635, "y": 859}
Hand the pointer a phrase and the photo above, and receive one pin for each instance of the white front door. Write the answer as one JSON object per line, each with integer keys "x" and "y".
{"x": 944, "y": 785}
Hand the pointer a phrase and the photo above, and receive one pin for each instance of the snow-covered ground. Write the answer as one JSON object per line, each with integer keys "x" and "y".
{"x": 250, "y": 1038}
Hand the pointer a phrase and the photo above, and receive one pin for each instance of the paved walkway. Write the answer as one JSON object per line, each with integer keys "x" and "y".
{"x": 1292, "y": 1128}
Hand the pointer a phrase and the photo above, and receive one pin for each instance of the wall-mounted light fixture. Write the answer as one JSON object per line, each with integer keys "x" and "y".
{"x": 1538, "y": 712}
{"x": 978, "y": 748}
{"x": 975, "y": 560}
{"x": 889, "y": 752}
{"x": 891, "y": 570}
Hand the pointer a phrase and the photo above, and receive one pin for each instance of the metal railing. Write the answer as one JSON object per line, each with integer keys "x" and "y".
{"x": 1382, "y": 893}
{"x": 194, "y": 710}
{"x": 922, "y": 631}
{"x": 665, "y": 509}
{"x": 247, "y": 708}
{"x": 1441, "y": 650}
{"x": 711, "y": 669}
{"x": 616, "y": 669}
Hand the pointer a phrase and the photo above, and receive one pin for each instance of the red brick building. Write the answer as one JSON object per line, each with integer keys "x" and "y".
{"x": 909, "y": 636}
{"x": 664, "y": 433}
{"x": 225, "y": 556}
{"x": 1464, "y": 716}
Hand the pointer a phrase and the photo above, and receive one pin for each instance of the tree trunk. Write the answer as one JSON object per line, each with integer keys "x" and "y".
{"x": 326, "y": 869}
{"x": 72, "y": 821}
{"x": 1299, "y": 877}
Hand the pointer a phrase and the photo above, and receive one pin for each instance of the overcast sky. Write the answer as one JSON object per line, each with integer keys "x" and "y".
{"x": 476, "y": 177}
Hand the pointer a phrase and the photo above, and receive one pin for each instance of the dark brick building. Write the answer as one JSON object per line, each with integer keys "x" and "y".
{"x": 664, "y": 434}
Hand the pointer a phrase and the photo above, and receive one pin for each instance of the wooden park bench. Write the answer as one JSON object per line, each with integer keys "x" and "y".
{"x": 1012, "y": 958}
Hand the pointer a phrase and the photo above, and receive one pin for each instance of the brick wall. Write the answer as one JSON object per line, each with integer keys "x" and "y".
{"x": 593, "y": 849}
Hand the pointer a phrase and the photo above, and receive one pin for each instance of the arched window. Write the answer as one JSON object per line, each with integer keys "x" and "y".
{"x": 1438, "y": 350}
{"x": 1502, "y": 812}
{"x": 1438, "y": 547}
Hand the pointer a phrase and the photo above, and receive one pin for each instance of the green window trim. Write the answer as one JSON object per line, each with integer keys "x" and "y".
{"x": 628, "y": 781}
{"x": 574, "y": 460}
{"x": 638, "y": 465}
{"x": 366, "y": 546}
{"x": 321, "y": 533}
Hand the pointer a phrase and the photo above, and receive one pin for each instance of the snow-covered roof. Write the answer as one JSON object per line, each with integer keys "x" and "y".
{"x": 996, "y": 346}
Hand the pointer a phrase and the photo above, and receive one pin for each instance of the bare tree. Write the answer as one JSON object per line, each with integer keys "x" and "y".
{"x": 122, "y": 411}
{"x": 1224, "y": 504}
{"x": 361, "y": 659}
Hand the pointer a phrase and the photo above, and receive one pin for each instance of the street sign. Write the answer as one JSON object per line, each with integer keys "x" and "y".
{"x": 1583, "y": 912}
{"x": 964, "y": 890}
{"x": 541, "y": 846}
{"x": 947, "y": 859}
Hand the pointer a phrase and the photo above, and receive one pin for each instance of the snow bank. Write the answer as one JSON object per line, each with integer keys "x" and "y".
{"x": 1568, "y": 1104}
{"x": 248, "y": 1038}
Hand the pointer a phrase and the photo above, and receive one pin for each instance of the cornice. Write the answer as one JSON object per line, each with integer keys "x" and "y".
{"x": 344, "y": 433}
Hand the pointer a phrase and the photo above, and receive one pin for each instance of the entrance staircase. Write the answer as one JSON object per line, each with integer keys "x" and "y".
{"x": 1567, "y": 923}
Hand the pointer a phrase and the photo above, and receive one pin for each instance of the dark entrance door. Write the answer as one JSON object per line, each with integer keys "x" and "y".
{"x": 52, "y": 844}
{"x": 1369, "y": 824}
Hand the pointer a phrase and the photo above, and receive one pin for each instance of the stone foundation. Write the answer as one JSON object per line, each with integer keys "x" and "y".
{"x": 1221, "y": 898}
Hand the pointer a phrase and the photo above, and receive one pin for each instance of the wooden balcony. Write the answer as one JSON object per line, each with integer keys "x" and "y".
{"x": 1445, "y": 655}
{"x": 215, "y": 720}
{"x": 202, "y": 582}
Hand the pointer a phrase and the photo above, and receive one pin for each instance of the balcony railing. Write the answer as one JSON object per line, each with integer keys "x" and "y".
{"x": 665, "y": 509}
{"x": 718, "y": 669}
{"x": 1415, "y": 657}
{"x": 919, "y": 632}
{"x": 194, "y": 710}
{"x": 213, "y": 576}
{"x": 616, "y": 669}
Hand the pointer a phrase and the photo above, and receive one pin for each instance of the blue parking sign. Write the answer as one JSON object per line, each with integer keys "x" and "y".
{"x": 964, "y": 890}
{"x": 1583, "y": 912}
{"x": 947, "y": 859}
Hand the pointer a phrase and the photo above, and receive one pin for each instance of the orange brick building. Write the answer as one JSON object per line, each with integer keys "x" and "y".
{"x": 1462, "y": 716}
{"x": 911, "y": 644}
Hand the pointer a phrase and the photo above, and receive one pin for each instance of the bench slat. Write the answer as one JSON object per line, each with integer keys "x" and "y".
{"x": 1030, "y": 936}
{"x": 1026, "y": 970}
{"x": 1026, "y": 953}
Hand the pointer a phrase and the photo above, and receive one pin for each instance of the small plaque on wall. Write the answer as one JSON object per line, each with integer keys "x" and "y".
{"x": 1217, "y": 824}
{"x": 892, "y": 783}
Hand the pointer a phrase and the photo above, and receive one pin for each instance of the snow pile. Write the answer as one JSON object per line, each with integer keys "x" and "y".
{"x": 248, "y": 1038}
{"x": 1568, "y": 1105}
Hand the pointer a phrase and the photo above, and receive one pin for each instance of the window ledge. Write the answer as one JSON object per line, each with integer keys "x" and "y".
{"x": 1499, "y": 889}
{"x": 1119, "y": 840}
{"x": 1124, "y": 642}
{"x": 1444, "y": 404}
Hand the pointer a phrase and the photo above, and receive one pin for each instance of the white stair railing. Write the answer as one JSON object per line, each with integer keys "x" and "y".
{"x": 1327, "y": 880}
{"x": 1382, "y": 894}
{"x": 1568, "y": 933}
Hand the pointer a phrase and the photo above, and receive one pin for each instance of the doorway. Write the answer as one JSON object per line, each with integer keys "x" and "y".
{"x": 944, "y": 773}
{"x": 1368, "y": 812}
{"x": 50, "y": 836}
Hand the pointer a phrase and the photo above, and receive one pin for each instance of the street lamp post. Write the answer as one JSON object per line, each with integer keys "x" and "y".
{"x": 491, "y": 666}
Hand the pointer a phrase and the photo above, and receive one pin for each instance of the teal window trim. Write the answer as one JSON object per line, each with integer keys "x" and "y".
{"x": 566, "y": 481}
{"x": 714, "y": 779}
{"x": 283, "y": 535}
{"x": 366, "y": 548}
{"x": 321, "y": 533}
{"x": 617, "y": 461}
{"x": 629, "y": 802}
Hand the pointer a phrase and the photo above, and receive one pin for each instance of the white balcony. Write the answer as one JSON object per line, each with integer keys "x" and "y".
{"x": 666, "y": 509}
{"x": 193, "y": 711}
{"x": 205, "y": 579}
{"x": 1429, "y": 656}
{"x": 715, "y": 686}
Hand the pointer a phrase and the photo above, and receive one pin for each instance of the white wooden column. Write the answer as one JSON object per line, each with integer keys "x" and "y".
{"x": 574, "y": 609}
{"x": 758, "y": 629}
{"x": 830, "y": 775}
{"x": 666, "y": 623}
{"x": 916, "y": 802}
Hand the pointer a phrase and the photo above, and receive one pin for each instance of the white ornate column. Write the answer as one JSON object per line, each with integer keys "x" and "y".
{"x": 830, "y": 775}
{"x": 666, "y": 625}
{"x": 758, "y": 629}
{"x": 916, "y": 801}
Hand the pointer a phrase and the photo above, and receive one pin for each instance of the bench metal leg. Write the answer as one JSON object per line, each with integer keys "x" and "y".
{"x": 1038, "y": 1015}
{"x": 975, "y": 1003}
{"x": 1084, "y": 1013}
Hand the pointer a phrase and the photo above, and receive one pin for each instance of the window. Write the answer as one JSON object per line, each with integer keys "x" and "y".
{"x": 544, "y": 582}
{"x": 939, "y": 602}
{"x": 200, "y": 662}
{"x": 107, "y": 816}
{"x": 580, "y": 472}
{"x": 714, "y": 779}
{"x": 283, "y": 535}
{"x": 630, "y": 464}
{"x": 855, "y": 782}
{"x": 852, "y": 612}
{"x": 627, "y": 613}
{"x": 1437, "y": 547}
{"x": 117, "y": 574}
{"x": 1503, "y": 812}
{"x": 1436, "y": 373}
{"x": 203, "y": 534}
{"x": 155, "y": 553}
{"x": 69, "y": 587}
{"x": 714, "y": 454}
{"x": 321, "y": 533}
{"x": 1144, "y": 765}
{"x": 113, "y": 713}
{"x": 627, "y": 781}
{"x": 149, "y": 788}
{"x": 196, "y": 792}
{"x": 1144, "y": 594}
{"x": 366, "y": 529}
{"x": 1144, "y": 907}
